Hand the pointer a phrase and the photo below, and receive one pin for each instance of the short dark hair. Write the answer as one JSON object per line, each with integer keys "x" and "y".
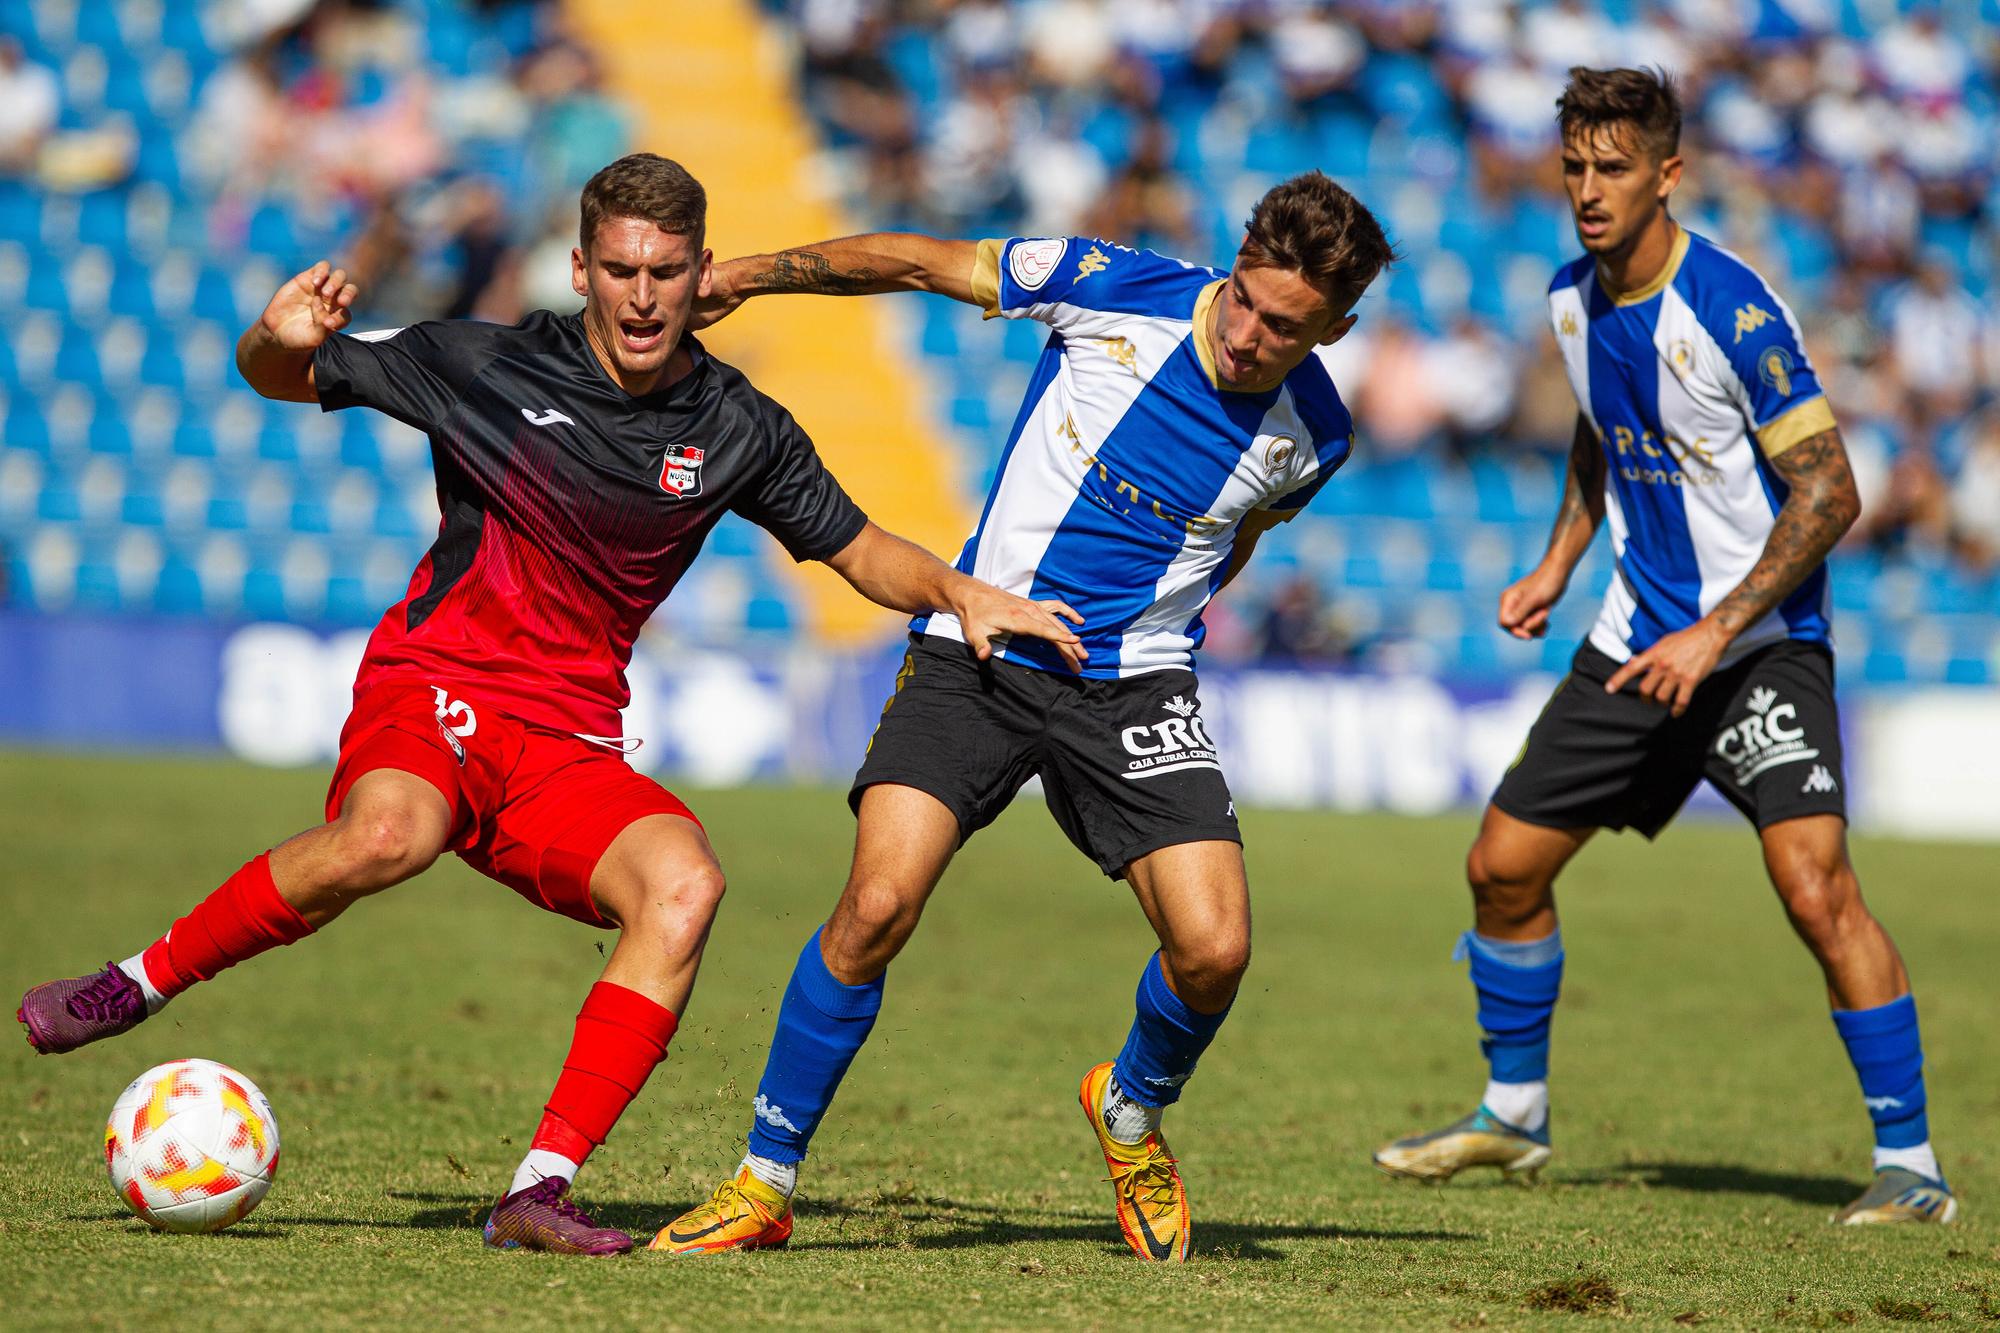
{"x": 1645, "y": 99}
{"x": 649, "y": 187}
{"x": 1312, "y": 225}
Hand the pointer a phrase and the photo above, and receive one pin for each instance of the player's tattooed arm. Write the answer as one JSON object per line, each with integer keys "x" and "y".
{"x": 1525, "y": 606}
{"x": 851, "y": 266}
{"x": 1822, "y": 505}
{"x": 903, "y": 576}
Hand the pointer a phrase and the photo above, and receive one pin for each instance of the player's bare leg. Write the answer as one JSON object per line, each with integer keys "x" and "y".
{"x": 1870, "y": 992}
{"x": 1515, "y": 947}
{"x": 660, "y": 884}
{"x": 391, "y": 826}
{"x": 1197, "y": 897}
{"x": 1807, "y": 860}
{"x": 903, "y": 842}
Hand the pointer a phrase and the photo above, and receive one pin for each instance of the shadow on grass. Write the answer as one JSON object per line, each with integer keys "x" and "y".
{"x": 920, "y": 1224}
{"x": 1720, "y": 1178}
{"x": 260, "y": 1230}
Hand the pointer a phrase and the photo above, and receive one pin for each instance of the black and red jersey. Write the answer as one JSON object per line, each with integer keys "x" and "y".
{"x": 570, "y": 507}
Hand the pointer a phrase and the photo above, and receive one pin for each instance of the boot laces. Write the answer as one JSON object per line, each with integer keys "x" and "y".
{"x": 98, "y": 1001}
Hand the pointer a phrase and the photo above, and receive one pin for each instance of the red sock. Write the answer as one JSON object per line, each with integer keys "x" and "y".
{"x": 620, "y": 1036}
{"x": 238, "y": 921}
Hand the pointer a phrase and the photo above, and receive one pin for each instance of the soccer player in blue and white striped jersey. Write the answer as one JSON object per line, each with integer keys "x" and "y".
{"x": 1176, "y": 414}
{"x": 1704, "y": 436}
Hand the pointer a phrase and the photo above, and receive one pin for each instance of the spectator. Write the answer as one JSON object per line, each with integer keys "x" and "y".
{"x": 30, "y": 101}
{"x": 1936, "y": 332}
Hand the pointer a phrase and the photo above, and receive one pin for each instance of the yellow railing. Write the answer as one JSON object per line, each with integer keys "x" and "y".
{"x": 708, "y": 85}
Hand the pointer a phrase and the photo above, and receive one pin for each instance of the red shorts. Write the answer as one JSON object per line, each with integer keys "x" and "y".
{"x": 531, "y": 807}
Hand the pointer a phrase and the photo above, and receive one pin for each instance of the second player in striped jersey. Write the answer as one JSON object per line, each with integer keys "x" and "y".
{"x": 1175, "y": 415}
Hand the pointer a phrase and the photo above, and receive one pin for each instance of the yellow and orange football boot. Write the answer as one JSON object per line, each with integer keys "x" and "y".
{"x": 1152, "y": 1202}
{"x": 743, "y": 1214}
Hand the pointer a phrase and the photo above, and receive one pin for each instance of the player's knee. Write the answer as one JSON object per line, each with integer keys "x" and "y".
{"x": 1504, "y": 892}
{"x": 874, "y": 915}
{"x": 1211, "y": 968}
{"x": 679, "y": 905}
{"x": 381, "y": 847}
{"x": 1823, "y": 904}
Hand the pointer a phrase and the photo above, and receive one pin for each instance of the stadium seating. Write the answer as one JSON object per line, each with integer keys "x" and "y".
{"x": 139, "y": 476}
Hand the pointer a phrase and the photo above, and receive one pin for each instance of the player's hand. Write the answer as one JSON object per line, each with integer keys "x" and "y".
{"x": 1525, "y": 607}
{"x": 724, "y": 295}
{"x": 986, "y": 613}
{"x": 1669, "y": 671}
{"x": 314, "y": 304}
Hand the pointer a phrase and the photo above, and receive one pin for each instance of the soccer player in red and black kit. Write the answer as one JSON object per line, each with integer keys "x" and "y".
{"x": 581, "y": 461}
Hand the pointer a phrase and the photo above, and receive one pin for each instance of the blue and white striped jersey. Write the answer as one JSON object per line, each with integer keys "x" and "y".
{"x": 1129, "y": 469}
{"x": 1693, "y": 385}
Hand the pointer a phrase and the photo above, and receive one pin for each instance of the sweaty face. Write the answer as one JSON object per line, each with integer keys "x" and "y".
{"x": 638, "y": 284}
{"x": 1616, "y": 187}
{"x": 1266, "y": 322}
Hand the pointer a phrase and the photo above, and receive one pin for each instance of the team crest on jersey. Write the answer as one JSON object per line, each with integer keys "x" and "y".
{"x": 1775, "y": 369}
{"x": 1680, "y": 355}
{"x": 680, "y": 475}
{"x": 1031, "y": 262}
{"x": 1750, "y": 318}
{"x": 1279, "y": 453}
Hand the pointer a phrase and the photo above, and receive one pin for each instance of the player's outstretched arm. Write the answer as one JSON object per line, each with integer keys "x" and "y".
{"x": 883, "y": 261}
{"x": 903, "y": 576}
{"x": 1525, "y": 606}
{"x": 275, "y": 355}
{"x": 1821, "y": 507}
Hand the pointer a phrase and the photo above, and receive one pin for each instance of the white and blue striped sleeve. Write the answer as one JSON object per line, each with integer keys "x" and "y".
{"x": 1760, "y": 338}
{"x": 1062, "y": 280}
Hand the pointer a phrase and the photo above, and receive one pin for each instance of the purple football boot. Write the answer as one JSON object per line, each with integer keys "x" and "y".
{"x": 63, "y": 1015}
{"x": 540, "y": 1218}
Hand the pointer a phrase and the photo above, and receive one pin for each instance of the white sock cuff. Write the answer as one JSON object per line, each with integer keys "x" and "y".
{"x": 1523, "y": 1105}
{"x": 135, "y": 968}
{"x": 780, "y": 1176}
{"x": 1920, "y": 1159}
{"x": 539, "y": 1165}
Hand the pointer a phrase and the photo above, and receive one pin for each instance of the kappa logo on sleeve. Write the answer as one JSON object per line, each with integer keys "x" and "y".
{"x": 680, "y": 474}
{"x": 1032, "y": 262}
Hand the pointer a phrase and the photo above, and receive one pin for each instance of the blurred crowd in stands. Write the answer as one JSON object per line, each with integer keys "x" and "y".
{"x": 447, "y": 177}
{"x": 1849, "y": 150}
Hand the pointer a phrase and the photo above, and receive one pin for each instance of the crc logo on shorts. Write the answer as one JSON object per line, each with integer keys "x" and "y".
{"x": 680, "y": 475}
{"x": 1769, "y": 736}
{"x": 1031, "y": 262}
{"x": 1171, "y": 744}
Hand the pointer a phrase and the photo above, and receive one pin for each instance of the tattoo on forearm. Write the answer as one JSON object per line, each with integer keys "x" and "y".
{"x": 1822, "y": 505}
{"x": 810, "y": 271}
{"x": 1583, "y": 489}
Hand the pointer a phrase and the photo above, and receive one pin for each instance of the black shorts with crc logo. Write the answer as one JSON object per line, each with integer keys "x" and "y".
{"x": 1764, "y": 731}
{"x": 1126, "y": 765}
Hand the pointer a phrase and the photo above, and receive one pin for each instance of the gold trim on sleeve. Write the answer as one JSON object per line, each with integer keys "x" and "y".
{"x": 1795, "y": 423}
{"x": 986, "y": 276}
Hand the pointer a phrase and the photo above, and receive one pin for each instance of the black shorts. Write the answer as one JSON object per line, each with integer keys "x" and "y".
{"x": 1764, "y": 731}
{"x": 1126, "y": 765}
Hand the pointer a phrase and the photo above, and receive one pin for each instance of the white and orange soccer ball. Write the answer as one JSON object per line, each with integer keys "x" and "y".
{"x": 191, "y": 1146}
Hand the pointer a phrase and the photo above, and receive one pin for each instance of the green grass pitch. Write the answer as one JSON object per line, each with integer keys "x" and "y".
{"x": 1706, "y": 1121}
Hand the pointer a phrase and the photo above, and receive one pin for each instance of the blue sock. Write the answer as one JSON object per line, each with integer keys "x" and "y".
{"x": 1888, "y": 1057}
{"x": 821, "y": 1026}
{"x": 1166, "y": 1039}
{"x": 1517, "y": 985}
